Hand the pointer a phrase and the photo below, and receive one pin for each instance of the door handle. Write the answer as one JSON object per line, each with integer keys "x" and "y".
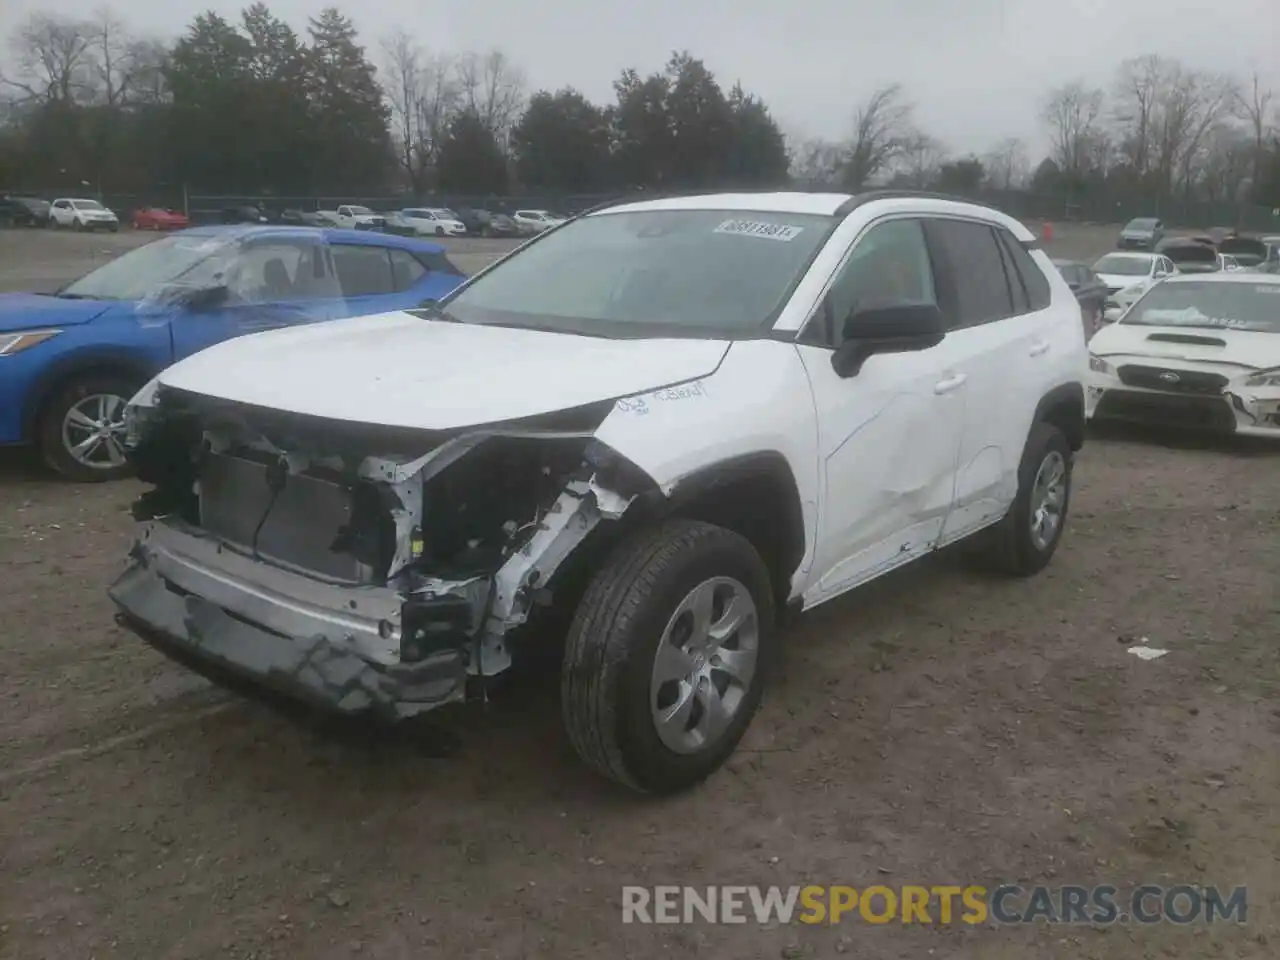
{"x": 1040, "y": 349}
{"x": 949, "y": 384}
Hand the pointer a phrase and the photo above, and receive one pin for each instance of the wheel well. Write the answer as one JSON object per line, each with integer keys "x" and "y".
{"x": 1064, "y": 408}
{"x": 755, "y": 497}
{"x": 60, "y": 378}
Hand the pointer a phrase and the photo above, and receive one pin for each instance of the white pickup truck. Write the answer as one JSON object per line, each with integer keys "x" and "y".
{"x": 355, "y": 217}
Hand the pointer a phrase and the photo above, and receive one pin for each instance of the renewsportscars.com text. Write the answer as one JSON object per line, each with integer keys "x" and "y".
{"x": 1005, "y": 904}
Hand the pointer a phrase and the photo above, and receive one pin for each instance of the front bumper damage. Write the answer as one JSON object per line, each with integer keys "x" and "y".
{"x": 335, "y": 646}
{"x": 395, "y": 645}
{"x": 1231, "y": 409}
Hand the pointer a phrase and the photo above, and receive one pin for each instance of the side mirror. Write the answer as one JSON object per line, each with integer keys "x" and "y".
{"x": 207, "y": 298}
{"x": 905, "y": 328}
{"x": 1073, "y": 284}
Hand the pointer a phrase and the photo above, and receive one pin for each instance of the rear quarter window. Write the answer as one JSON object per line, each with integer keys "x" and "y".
{"x": 1029, "y": 272}
{"x": 439, "y": 263}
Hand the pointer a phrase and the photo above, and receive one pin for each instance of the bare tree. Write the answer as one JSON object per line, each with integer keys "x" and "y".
{"x": 1136, "y": 99}
{"x": 438, "y": 104}
{"x": 53, "y": 59}
{"x": 1190, "y": 103}
{"x": 493, "y": 88}
{"x": 403, "y": 70}
{"x": 881, "y": 128}
{"x": 1006, "y": 164}
{"x": 1071, "y": 113}
{"x": 920, "y": 158}
{"x": 1226, "y": 162}
{"x": 817, "y": 163}
{"x": 1252, "y": 104}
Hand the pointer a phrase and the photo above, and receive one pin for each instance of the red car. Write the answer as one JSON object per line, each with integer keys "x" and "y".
{"x": 156, "y": 218}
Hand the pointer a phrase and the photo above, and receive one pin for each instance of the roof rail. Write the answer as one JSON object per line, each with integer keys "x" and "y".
{"x": 860, "y": 199}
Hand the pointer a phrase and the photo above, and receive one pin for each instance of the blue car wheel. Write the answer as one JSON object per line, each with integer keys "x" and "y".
{"x": 82, "y": 430}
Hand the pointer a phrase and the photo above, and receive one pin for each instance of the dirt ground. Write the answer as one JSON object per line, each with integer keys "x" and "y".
{"x": 937, "y": 727}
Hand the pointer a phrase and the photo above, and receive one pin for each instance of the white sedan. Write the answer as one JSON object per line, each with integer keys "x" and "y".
{"x": 1127, "y": 276}
{"x": 1197, "y": 351}
{"x": 432, "y": 222}
{"x": 82, "y": 215}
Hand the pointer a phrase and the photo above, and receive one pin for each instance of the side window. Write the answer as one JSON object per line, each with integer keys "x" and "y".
{"x": 888, "y": 266}
{"x": 1033, "y": 279}
{"x": 976, "y": 269}
{"x": 406, "y": 270}
{"x": 1017, "y": 289}
{"x": 439, "y": 263}
{"x": 272, "y": 271}
{"x": 362, "y": 271}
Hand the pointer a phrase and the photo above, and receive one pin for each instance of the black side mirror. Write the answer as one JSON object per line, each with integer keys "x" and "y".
{"x": 904, "y": 328}
{"x": 206, "y": 298}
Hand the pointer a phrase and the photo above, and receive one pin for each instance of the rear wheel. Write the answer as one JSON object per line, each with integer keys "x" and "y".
{"x": 81, "y": 430}
{"x": 1023, "y": 543}
{"x": 667, "y": 656}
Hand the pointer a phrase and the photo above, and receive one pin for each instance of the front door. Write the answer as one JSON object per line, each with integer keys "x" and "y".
{"x": 889, "y": 435}
{"x": 270, "y": 283}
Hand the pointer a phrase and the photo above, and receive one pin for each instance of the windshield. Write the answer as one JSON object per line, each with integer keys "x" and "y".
{"x": 1123, "y": 266}
{"x": 86, "y": 204}
{"x": 1140, "y": 225}
{"x": 139, "y": 272}
{"x": 1235, "y": 306}
{"x": 418, "y": 214}
{"x": 360, "y": 211}
{"x": 649, "y": 273}
{"x": 445, "y": 214}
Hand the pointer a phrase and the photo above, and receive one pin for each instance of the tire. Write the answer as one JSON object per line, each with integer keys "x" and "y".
{"x": 439, "y": 231}
{"x": 1012, "y": 547}
{"x": 50, "y": 434}
{"x": 79, "y": 225}
{"x": 608, "y": 696}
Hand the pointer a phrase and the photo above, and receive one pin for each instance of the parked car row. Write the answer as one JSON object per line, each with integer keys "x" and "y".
{"x": 408, "y": 222}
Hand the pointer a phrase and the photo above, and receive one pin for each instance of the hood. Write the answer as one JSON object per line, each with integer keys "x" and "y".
{"x": 1246, "y": 247}
{"x": 31, "y": 311}
{"x": 399, "y": 370}
{"x": 1248, "y": 349}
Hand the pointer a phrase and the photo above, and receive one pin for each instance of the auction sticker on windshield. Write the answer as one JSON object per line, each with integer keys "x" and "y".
{"x": 766, "y": 231}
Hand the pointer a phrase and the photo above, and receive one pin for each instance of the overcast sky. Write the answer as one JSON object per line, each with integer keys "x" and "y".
{"x": 976, "y": 68}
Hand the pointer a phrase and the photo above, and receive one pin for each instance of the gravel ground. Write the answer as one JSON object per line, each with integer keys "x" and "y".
{"x": 937, "y": 727}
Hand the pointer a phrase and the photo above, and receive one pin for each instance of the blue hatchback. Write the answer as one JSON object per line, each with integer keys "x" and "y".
{"x": 69, "y": 361}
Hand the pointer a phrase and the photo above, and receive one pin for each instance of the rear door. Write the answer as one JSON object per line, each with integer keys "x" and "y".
{"x": 1000, "y": 337}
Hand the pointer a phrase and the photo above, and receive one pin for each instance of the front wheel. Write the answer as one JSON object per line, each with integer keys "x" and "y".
{"x": 82, "y": 430}
{"x": 667, "y": 656}
{"x": 1023, "y": 543}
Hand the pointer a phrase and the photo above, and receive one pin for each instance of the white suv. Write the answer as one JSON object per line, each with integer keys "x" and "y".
{"x": 656, "y": 428}
{"x": 82, "y": 215}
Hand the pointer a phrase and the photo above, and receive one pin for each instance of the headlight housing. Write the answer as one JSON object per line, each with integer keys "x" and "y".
{"x": 1098, "y": 365}
{"x": 1263, "y": 378}
{"x": 138, "y": 411}
{"x": 11, "y": 343}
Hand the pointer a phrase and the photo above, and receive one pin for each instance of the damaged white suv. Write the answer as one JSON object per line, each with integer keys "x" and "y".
{"x": 670, "y": 420}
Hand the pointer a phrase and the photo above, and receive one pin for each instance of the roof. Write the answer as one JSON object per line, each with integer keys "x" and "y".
{"x": 820, "y": 204}
{"x": 1227, "y": 276}
{"x": 371, "y": 238}
{"x": 828, "y": 205}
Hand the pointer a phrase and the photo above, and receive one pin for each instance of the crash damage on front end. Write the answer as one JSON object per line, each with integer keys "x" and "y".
{"x": 361, "y": 568}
